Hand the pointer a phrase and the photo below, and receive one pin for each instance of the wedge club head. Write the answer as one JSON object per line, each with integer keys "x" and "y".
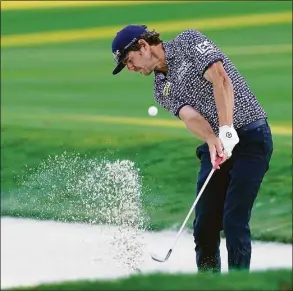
{"x": 155, "y": 258}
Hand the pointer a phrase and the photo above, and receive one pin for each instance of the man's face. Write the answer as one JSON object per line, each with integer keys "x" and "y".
{"x": 140, "y": 61}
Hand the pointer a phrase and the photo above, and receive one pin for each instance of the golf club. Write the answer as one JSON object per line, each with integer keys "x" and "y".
{"x": 155, "y": 258}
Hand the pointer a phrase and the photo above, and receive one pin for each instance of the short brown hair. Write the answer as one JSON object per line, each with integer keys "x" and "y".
{"x": 151, "y": 37}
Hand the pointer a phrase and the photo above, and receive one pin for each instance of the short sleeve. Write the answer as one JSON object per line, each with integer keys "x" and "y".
{"x": 163, "y": 93}
{"x": 199, "y": 49}
{"x": 177, "y": 105}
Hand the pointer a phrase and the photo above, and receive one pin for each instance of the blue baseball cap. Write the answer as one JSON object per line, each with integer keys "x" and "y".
{"x": 123, "y": 40}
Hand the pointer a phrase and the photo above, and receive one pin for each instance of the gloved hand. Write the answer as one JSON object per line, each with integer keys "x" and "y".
{"x": 229, "y": 138}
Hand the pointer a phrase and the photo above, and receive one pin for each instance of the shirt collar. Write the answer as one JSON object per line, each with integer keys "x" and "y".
{"x": 169, "y": 55}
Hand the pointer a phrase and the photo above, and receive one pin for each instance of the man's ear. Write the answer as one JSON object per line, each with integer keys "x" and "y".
{"x": 143, "y": 43}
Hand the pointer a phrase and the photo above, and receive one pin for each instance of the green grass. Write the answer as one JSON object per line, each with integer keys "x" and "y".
{"x": 265, "y": 280}
{"x": 27, "y": 21}
{"x": 40, "y": 86}
{"x": 168, "y": 165}
{"x": 81, "y": 74}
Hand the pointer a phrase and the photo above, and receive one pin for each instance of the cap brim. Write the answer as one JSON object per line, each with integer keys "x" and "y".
{"x": 119, "y": 68}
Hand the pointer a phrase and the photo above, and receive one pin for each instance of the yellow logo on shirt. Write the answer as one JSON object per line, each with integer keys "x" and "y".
{"x": 166, "y": 89}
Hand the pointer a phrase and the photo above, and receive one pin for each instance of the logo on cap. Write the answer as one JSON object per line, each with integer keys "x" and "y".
{"x": 116, "y": 56}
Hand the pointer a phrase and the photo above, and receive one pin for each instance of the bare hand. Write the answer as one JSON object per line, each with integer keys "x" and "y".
{"x": 216, "y": 149}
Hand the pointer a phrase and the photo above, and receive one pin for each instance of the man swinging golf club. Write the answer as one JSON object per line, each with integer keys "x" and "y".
{"x": 198, "y": 83}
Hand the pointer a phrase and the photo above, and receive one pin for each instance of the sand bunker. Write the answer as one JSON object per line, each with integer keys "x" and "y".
{"x": 34, "y": 252}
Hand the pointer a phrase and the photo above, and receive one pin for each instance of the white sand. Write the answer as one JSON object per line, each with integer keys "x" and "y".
{"x": 34, "y": 252}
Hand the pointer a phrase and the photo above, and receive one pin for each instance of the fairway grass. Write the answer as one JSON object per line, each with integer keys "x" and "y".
{"x": 264, "y": 280}
{"x": 69, "y": 18}
{"x": 31, "y": 5}
{"x": 59, "y": 119}
{"x": 168, "y": 166}
{"x": 164, "y": 27}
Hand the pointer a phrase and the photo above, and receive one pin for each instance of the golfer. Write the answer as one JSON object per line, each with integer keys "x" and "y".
{"x": 198, "y": 83}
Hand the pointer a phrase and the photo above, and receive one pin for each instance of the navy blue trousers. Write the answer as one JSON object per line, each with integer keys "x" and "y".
{"x": 227, "y": 202}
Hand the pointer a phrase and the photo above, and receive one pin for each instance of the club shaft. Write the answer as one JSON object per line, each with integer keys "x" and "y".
{"x": 193, "y": 205}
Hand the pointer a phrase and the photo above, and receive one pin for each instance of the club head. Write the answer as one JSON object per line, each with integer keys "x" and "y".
{"x": 155, "y": 258}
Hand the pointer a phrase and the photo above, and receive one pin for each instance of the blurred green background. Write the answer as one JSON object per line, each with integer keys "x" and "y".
{"x": 58, "y": 94}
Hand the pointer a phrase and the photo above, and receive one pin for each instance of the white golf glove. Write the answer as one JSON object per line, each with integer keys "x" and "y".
{"x": 229, "y": 138}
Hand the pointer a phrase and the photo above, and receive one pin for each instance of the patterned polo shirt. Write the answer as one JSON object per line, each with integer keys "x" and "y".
{"x": 188, "y": 56}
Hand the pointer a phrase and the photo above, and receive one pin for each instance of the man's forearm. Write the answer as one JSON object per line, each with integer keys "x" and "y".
{"x": 198, "y": 125}
{"x": 224, "y": 98}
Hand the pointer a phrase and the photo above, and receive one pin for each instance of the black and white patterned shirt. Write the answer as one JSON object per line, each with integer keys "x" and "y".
{"x": 188, "y": 56}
